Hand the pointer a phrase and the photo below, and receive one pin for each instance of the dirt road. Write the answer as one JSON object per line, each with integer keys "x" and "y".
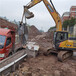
{"x": 46, "y": 66}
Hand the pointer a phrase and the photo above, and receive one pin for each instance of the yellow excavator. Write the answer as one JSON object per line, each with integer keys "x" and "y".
{"x": 63, "y": 47}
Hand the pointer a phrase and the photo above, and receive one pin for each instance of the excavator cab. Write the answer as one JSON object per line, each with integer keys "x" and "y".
{"x": 59, "y": 37}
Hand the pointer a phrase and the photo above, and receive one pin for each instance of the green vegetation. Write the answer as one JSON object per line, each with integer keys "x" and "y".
{"x": 70, "y": 22}
{"x": 41, "y": 30}
{"x": 51, "y": 28}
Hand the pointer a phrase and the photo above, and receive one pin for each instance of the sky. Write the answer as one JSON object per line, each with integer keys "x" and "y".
{"x": 13, "y": 9}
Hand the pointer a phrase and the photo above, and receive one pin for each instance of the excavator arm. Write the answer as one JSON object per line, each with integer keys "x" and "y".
{"x": 33, "y": 3}
{"x": 26, "y": 12}
{"x": 61, "y": 42}
{"x": 50, "y": 8}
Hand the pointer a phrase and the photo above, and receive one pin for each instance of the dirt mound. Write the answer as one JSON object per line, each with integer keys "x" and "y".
{"x": 4, "y": 23}
{"x": 46, "y": 65}
{"x": 44, "y": 41}
{"x": 33, "y": 32}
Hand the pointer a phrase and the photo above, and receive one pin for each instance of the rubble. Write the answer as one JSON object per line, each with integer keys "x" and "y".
{"x": 4, "y": 23}
{"x": 48, "y": 65}
{"x": 33, "y": 32}
{"x": 57, "y": 73}
{"x": 44, "y": 65}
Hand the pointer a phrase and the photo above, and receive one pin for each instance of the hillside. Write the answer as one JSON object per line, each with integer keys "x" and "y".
{"x": 4, "y": 23}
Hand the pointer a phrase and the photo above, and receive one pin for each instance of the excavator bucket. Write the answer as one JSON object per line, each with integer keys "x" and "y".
{"x": 28, "y": 14}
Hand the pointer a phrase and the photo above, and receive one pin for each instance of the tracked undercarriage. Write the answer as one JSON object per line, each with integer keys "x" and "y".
{"x": 61, "y": 54}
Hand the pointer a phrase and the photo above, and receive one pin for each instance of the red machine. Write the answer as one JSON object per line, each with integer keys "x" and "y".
{"x": 14, "y": 37}
{"x": 10, "y": 41}
{"x": 7, "y": 41}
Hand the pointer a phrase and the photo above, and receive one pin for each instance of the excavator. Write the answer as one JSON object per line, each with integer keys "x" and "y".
{"x": 63, "y": 47}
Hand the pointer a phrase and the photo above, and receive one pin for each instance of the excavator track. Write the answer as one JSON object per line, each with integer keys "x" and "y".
{"x": 50, "y": 51}
{"x": 63, "y": 55}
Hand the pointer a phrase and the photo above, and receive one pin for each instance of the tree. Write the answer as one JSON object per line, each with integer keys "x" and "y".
{"x": 65, "y": 23}
{"x": 70, "y": 22}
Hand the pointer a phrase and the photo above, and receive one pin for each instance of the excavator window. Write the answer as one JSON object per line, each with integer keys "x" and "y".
{"x": 62, "y": 36}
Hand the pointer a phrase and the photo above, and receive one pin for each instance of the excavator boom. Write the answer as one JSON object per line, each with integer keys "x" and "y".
{"x": 51, "y": 10}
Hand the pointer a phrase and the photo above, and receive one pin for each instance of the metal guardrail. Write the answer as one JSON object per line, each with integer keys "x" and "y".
{"x": 9, "y": 64}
